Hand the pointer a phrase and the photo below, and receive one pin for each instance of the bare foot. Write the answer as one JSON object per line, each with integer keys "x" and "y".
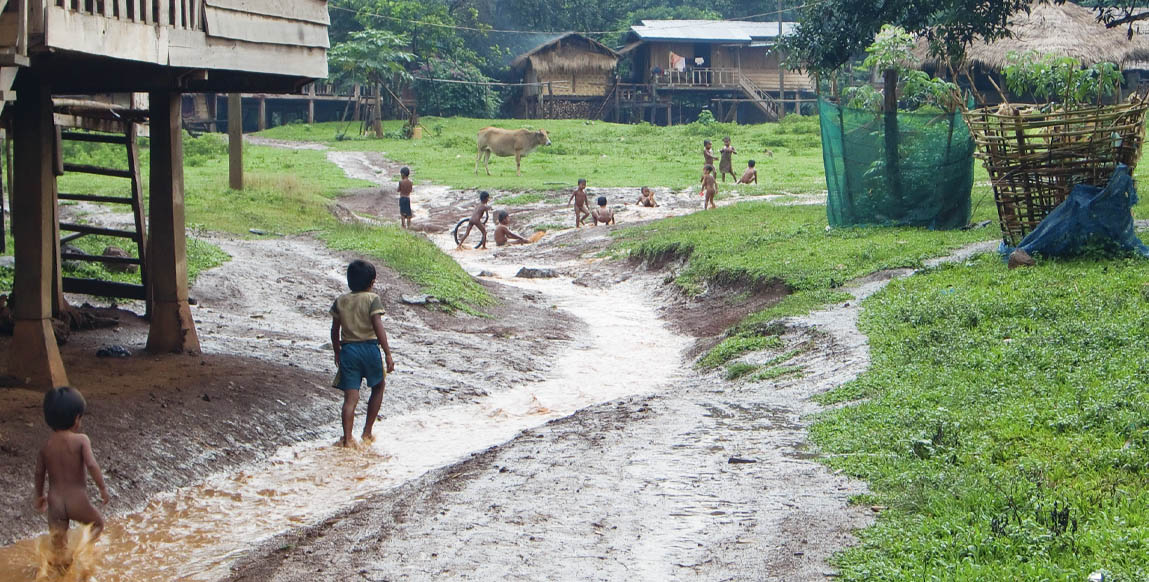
{"x": 367, "y": 438}
{"x": 346, "y": 443}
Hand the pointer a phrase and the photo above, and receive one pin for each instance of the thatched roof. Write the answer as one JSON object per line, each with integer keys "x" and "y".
{"x": 1063, "y": 30}
{"x": 567, "y": 54}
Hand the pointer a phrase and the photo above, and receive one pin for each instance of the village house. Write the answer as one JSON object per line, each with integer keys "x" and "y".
{"x": 565, "y": 78}
{"x": 55, "y": 48}
{"x": 732, "y": 66}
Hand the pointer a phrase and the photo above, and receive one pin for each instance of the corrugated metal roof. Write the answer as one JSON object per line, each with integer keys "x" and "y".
{"x": 738, "y": 31}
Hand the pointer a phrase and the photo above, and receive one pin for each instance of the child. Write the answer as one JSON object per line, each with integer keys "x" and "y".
{"x": 63, "y": 460}
{"x": 726, "y": 166}
{"x": 750, "y": 175}
{"x": 602, "y": 214}
{"x": 709, "y": 187}
{"x": 708, "y": 156}
{"x": 646, "y": 198}
{"x": 477, "y": 220}
{"x": 580, "y": 202}
{"x": 503, "y": 232}
{"x": 356, "y": 328}
{"x": 405, "y": 188}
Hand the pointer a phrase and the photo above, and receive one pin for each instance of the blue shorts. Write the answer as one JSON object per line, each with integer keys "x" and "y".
{"x": 359, "y": 361}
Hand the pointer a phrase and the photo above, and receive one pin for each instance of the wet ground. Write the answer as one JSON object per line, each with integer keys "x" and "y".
{"x": 566, "y": 437}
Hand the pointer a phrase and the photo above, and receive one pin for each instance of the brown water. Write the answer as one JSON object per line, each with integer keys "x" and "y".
{"x": 196, "y": 533}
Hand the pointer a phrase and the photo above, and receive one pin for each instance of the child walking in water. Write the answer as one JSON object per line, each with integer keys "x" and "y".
{"x": 709, "y": 187}
{"x": 406, "y": 186}
{"x": 477, "y": 220}
{"x": 63, "y": 461}
{"x": 726, "y": 166}
{"x": 580, "y": 202}
{"x": 356, "y": 328}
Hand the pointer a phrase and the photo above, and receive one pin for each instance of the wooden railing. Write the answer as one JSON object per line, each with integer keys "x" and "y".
{"x": 186, "y": 14}
{"x": 699, "y": 77}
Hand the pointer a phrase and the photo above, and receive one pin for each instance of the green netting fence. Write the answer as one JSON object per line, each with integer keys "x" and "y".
{"x": 927, "y": 183}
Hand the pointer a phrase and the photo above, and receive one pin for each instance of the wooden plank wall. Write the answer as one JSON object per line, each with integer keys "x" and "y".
{"x": 300, "y": 23}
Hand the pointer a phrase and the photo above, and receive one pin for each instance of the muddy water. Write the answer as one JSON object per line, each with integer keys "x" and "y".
{"x": 198, "y": 532}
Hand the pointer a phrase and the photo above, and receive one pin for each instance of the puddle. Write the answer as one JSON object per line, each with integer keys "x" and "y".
{"x": 197, "y": 533}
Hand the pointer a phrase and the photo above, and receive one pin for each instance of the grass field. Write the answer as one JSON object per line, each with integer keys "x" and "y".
{"x": 606, "y": 154}
{"x": 1004, "y": 423}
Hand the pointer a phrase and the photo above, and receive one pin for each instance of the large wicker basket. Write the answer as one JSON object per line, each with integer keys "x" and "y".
{"x": 1034, "y": 159}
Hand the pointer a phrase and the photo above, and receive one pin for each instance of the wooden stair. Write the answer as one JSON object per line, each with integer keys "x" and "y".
{"x": 759, "y": 97}
{"x": 134, "y": 200}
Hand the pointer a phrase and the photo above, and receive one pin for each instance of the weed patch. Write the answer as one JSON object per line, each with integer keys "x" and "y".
{"x": 739, "y": 369}
{"x": 735, "y": 346}
{"x": 774, "y": 372}
{"x": 1005, "y": 424}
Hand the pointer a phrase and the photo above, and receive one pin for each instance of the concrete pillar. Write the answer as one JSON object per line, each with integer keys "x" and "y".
{"x": 34, "y": 358}
{"x": 172, "y": 328}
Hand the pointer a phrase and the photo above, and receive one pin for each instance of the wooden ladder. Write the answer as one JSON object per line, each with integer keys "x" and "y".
{"x": 134, "y": 201}
{"x": 761, "y": 99}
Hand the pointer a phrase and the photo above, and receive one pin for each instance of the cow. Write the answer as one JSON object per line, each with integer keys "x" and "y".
{"x": 507, "y": 142}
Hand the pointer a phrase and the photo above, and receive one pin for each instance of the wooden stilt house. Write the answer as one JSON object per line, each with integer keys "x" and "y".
{"x": 160, "y": 47}
{"x": 565, "y": 77}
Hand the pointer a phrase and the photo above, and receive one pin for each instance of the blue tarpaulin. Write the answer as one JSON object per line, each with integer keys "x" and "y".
{"x": 1089, "y": 215}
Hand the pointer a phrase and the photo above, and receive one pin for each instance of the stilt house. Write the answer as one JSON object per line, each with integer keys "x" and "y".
{"x": 565, "y": 77}
{"x": 160, "y": 47}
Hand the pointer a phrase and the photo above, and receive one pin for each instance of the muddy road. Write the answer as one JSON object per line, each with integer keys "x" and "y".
{"x": 567, "y": 436}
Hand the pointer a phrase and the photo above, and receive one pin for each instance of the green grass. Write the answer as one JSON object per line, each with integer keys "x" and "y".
{"x": 775, "y": 372}
{"x": 1005, "y": 424}
{"x": 526, "y": 198}
{"x": 606, "y": 154}
{"x": 733, "y": 347}
{"x": 739, "y": 369}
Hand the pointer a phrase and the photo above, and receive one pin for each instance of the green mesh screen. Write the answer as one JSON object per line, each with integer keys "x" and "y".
{"x": 928, "y": 183}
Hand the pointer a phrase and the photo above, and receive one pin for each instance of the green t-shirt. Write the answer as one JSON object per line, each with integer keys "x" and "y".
{"x": 354, "y": 312}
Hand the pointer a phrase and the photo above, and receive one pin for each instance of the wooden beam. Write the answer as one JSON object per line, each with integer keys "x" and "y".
{"x": 262, "y": 114}
{"x": 172, "y": 328}
{"x": 235, "y": 140}
{"x": 34, "y": 358}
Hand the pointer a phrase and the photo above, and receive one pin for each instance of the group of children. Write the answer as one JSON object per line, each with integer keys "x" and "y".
{"x": 725, "y": 166}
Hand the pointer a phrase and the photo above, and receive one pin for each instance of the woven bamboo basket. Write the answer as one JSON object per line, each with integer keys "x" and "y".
{"x": 1034, "y": 159}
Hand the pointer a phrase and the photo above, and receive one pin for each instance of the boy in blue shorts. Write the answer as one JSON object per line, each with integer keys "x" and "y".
{"x": 356, "y": 328}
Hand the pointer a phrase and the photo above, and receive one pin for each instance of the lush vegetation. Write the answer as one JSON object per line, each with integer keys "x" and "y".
{"x": 1003, "y": 424}
{"x": 606, "y": 154}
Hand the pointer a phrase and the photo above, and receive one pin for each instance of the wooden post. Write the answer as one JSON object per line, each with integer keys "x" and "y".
{"x": 172, "y": 328}
{"x": 781, "y": 69}
{"x": 262, "y": 114}
{"x": 235, "y": 140}
{"x": 34, "y": 357}
{"x": 311, "y": 104}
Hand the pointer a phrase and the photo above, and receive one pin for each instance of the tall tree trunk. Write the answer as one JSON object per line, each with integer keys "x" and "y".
{"x": 890, "y": 107}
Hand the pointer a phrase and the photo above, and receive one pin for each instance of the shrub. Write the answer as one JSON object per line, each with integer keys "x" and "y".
{"x": 470, "y": 98}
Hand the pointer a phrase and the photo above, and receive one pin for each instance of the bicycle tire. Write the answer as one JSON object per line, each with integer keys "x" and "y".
{"x": 461, "y": 224}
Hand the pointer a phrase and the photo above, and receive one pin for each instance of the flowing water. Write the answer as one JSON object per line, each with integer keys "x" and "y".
{"x": 197, "y": 533}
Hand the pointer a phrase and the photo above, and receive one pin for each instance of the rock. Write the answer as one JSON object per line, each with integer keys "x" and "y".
{"x": 740, "y": 461}
{"x": 113, "y": 351}
{"x": 206, "y": 398}
{"x": 486, "y": 273}
{"x": 1020, "y": 258}
{"x": 418, "y": 299}
{"x": 8, "y": 262}
{"x": 536, "y": 273}
{"x": 257, "y": 231}
{"x": 114, "y": 251}
{"x": 71, "y": 264}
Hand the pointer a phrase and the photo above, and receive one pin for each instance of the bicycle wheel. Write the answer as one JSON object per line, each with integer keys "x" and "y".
{"x": 459, "y": 226}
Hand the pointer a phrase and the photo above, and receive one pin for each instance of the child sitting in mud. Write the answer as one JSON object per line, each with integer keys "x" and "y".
{"x": 406, "y": 186}
{"x": 750, "y": 175}
{"x": 477, "y": 220}
{"x": 602, "y": 214}
{"x": 646, "y": 198}
{"x": 356, "y": 328}
{"x": 63, "y": 461}
{"x": 580, "y": 202}
{"x": 503, "y": 234}
{"x": 709, "y": 187}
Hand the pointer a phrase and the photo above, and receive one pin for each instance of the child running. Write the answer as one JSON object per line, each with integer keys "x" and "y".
{"x": 708, "y": 156}
{"x": 602, "y": 214}
{"x": 356, "y": 328}
{"x": 503, "y": 234}
{"x": 405, "y": 188}
{"x": 477, "y": 220}
{"x": 726, "y": 166}
{"x": 709, "y": 187}
{"x": 580, "y": 202}
{"x": 750, "y": 175}
{"x": 646, "y": 198}
{"x": 63, "y": 461}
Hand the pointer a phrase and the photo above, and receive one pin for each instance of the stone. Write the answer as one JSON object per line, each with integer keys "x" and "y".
{"x": 418, "y": 299}
{"x": 114, "y": 251}
{"x": 1020, "y": 258}
{"x": 536, "y": 273}
{"x": 113, "y": 351}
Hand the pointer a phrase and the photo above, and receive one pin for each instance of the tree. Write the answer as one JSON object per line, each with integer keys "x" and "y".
{"x": 1114, "y": 13}
{"x": 832, "y": 32}
{"x": 371, "y": 57}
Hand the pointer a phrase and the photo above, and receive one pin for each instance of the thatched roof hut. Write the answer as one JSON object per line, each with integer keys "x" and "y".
{"x": 571, "y": 53}
{"x": 1064, "y": 30}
